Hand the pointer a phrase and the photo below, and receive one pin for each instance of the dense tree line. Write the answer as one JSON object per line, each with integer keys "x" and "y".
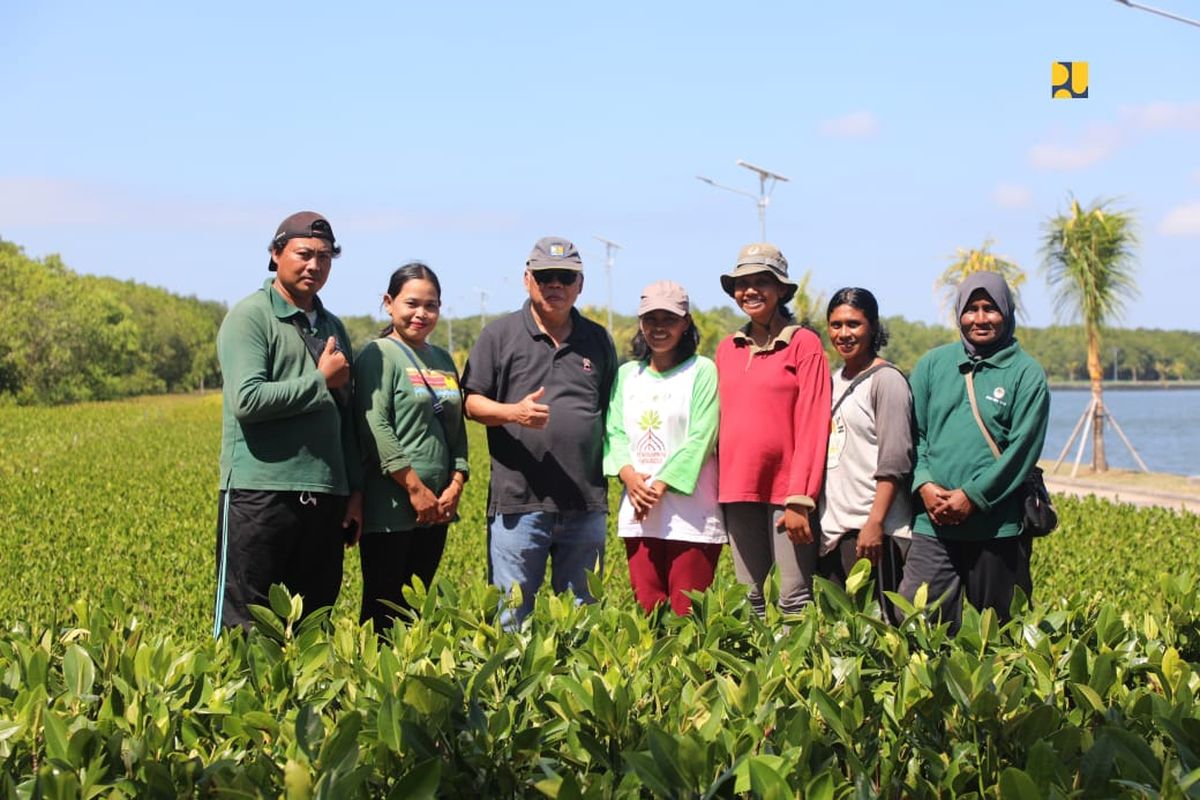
{"x": 1141, "y": 354}
{"x": 70, "y": 337}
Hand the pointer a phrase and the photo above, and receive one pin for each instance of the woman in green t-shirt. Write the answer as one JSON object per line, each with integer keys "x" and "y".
{"x": 410, "y": 422}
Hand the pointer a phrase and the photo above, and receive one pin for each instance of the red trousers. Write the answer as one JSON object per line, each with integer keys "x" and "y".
{"x": 662, "y": 570}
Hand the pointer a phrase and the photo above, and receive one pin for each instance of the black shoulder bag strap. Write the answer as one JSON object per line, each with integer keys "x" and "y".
{"x": 862, "y": 376}
{"x": 316, "y": 346}
{"x": 439, "y": 410}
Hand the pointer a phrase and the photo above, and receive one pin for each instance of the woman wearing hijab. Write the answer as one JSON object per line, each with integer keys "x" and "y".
{"x": 967, "y": 538}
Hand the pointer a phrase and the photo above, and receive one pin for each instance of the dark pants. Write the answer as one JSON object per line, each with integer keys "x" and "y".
{"x": 757, "y": 544}
{"x": 661, "y": 570}
{"x": 984, "y": 572}
{"x": 389, "y": 563}
{"x": 836, "y": 565}
{"x": 263, "y": 537}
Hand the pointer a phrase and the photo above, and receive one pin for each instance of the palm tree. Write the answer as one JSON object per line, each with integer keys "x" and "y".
{"x": 809, "y": 304}
{"x": 1087, "y": 255}
{"x": 967, "y": 262}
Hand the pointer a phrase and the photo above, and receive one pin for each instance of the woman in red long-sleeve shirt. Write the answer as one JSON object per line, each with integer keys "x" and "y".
{"x": 774, "y": 388}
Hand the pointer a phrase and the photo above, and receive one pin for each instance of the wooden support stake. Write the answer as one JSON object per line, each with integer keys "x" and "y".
{"x": 1091, "y": 420}
{"x": 1074, "y": 433}
{"x": 1128, "y": 444}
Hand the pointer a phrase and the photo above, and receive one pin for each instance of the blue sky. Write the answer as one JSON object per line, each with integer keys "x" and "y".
{"x": 164, "y": 142}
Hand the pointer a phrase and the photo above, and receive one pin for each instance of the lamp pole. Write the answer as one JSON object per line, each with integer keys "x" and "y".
{"x": 483, "y": 297}
{"x": 766, "y": 185}
{"x": 1160, "y": 12}
{"x": 610, "y": 247}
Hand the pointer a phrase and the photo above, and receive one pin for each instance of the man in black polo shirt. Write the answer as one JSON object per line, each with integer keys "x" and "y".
{"x": 540, "y": 379}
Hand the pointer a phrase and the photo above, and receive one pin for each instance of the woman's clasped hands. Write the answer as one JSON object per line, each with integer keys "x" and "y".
{"x": 644, "y": 496}
{"x": 946, "y": 506}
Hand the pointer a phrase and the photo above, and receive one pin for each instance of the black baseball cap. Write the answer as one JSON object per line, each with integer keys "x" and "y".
{"x": 302, "y": 225}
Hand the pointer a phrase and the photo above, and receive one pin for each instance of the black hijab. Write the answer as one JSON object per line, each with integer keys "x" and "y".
{"x": 996, "y": 288}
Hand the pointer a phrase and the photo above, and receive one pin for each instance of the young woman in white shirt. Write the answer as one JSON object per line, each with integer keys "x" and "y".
{"x": 660, "y": 441}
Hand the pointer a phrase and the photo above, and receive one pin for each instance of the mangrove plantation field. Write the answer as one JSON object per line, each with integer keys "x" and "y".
{"x": 110, "y": 683}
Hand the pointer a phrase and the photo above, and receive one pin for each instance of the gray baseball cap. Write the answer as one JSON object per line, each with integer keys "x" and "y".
{"x": 760, "y": 257}
{"x": 665, "y": 296}
{"x": 554, "y": 252}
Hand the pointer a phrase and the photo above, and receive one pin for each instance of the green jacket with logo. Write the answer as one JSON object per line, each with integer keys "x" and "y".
{"x": 281, "y": 429}
{"x": 1014, "y": 401}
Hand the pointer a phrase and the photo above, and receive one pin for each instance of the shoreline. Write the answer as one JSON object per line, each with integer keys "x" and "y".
{"x": 1122, "y": 386}
{"x": 1162, "y": 489}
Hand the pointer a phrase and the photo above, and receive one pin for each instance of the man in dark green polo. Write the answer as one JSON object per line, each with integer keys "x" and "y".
{"x": 290, "y": 473}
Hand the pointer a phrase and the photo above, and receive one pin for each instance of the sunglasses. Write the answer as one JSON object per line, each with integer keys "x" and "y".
{"x": 564, "y": 277}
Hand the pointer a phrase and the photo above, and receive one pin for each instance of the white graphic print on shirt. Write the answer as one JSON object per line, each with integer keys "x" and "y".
{"x": 656, "y": 412}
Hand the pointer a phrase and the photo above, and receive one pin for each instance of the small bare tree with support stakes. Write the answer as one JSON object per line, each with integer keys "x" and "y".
{"x": 1087, "y": 256}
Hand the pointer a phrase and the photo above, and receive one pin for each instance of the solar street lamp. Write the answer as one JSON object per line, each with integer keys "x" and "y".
{"x": 766, "y": 184}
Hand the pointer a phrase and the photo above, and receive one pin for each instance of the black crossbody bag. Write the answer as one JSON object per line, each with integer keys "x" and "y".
{"x": 1038, "y": 517}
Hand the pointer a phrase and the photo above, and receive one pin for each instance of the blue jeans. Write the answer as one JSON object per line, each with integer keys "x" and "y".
{"x": 519, "y": 544}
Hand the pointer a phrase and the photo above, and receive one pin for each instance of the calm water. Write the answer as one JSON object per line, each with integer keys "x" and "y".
{"x": 1164, "y": 426}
